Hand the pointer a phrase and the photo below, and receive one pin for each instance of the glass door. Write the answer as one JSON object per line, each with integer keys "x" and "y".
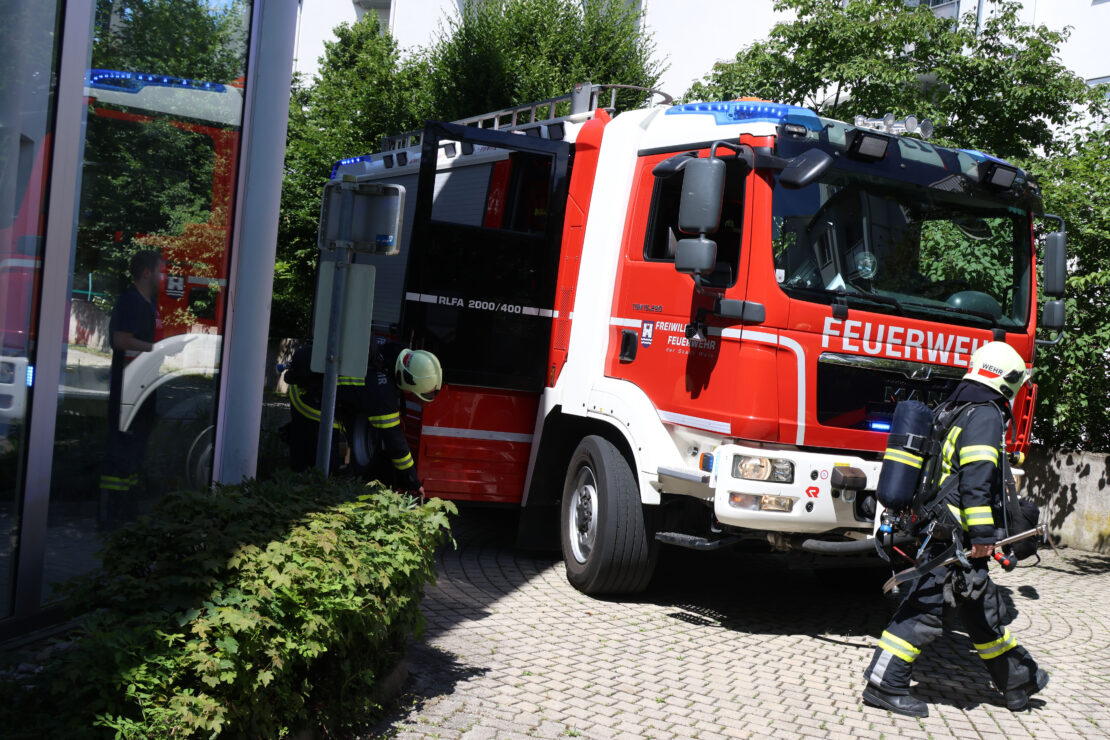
{"x": 28, "y": 36}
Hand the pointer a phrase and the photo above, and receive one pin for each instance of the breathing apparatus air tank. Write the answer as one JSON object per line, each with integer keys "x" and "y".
{"x": 908, "y": 447}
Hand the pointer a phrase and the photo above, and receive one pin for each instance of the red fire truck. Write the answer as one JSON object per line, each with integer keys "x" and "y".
{"x": 690, "y": 324}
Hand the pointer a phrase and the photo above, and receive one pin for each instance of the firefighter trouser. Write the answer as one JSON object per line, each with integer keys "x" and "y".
{"x": 303, "y": 436}
{"x": 126, "y": 450}
{"x": 918, "y": 621}
{"x": 120, "y": 472}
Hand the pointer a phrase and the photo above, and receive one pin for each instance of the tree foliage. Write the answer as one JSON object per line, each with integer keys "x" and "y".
{"x": 1003, "y": 90}
{"x": 1073, "y": 409}
{"x": 364, "y": 91}
{"x": 506, "y": 52}
{"x": 493, "y": 55}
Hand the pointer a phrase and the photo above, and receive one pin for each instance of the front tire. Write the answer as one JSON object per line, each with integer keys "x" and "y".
{"x": 606, "y": 547}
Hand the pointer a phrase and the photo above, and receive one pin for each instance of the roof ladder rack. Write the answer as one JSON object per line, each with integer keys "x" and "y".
{"x": 583, "y": 99}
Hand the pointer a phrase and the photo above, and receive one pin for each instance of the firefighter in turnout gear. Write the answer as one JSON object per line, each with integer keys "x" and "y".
{"x": 968, "y": 486}
{"x": 367, "y": 414}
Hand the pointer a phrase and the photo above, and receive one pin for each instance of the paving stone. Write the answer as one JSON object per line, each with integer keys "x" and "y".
{"x": 513, "y": 651}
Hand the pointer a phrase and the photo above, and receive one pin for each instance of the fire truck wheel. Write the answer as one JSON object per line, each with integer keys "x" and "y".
{"x": 606, "y": 547}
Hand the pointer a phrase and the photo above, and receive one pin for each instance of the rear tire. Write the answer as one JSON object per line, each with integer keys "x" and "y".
{"x": 606, "y": 547}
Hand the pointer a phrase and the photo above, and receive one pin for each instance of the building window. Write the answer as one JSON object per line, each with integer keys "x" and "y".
{"x": 150, "y": 266}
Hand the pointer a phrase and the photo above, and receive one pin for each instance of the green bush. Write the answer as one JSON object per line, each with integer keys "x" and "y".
{"x": 247, "y": 610}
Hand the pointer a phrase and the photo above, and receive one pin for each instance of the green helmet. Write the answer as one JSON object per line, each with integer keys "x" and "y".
{"x": 419, "y": 373}
{"x": 998, "y": 366}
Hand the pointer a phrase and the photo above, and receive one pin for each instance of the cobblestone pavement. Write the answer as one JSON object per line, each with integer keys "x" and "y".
{"x": 726, "y": 645}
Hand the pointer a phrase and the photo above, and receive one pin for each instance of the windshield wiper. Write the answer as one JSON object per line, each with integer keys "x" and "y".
{"x": 873, "y": 297}
{"x": 991, "y": 319}
{"x": 842, "y": 294}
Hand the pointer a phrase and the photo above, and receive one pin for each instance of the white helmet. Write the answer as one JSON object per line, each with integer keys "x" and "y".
{"x": 419, "y": 373}
{"x": 998, "y": 366}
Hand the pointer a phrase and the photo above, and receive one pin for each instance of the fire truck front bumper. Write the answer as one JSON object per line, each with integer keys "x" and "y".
{"x": 792, "y": 490}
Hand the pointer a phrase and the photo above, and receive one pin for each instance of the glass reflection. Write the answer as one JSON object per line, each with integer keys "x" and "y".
{"x": 28, "y": 34}
{"x": 137, "y": 405}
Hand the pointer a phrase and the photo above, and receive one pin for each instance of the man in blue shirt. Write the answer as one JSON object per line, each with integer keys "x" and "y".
{"x": 132, "y": 330}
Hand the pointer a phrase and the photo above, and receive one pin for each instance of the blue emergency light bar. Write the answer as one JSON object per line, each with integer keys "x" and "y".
{"x": 349, "y": 160}
{"x": 737, "y": 111}
{"x": 133, "y": 82}
{"x": 879, "y": 426}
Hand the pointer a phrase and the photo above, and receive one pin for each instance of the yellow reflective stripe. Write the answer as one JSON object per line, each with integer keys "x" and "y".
{"x": 385, "y": 421}
{"x": 973, "y": 517}
{"x": 117, "y": 483}
{"x": 949, "y": 448}
{"x": 993, "y": 649}
{"x": 959, "y": 515}
{"x": 302, "y": 408}
{"x": 979, "y": 453}
{"x": 898, "y": 646}
{"x": 977, "y": 516}
{"x": 403, "y": 463}
{"x": 305, "y": 410}
{"x": 901, "y": 456}
{"x": 350, "y": 380}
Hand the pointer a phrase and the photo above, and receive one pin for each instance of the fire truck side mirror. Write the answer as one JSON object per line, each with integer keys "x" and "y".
{"x": 805, "y": 169}
{"x": 1055, "y": 264}
{"x": 1053, "y": 316}
{"x": 695, "y": 256}
{"x": 703, "y": 190}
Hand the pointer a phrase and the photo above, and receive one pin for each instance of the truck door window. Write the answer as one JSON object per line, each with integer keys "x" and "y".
{"x": 480, "y": 289}
{"x": 663, "y": 234}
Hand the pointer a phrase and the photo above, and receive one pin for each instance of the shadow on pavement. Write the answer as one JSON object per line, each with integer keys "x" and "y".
{"x": 432, "y": 673}
{"x": 1080, "y": 563}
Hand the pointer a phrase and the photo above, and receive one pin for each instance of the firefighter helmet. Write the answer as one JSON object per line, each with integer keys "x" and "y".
{"x": 419, "y": 373}
{"x": 998, "y": 366}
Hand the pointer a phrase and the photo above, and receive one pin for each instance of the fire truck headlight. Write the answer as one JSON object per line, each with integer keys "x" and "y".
{"x": 782, "y": 471}
{"x": 756, "y": 502}
{"x": 751, "y": 467}
{"x": 7, "y": 373}
{"x": 747, "y": 501}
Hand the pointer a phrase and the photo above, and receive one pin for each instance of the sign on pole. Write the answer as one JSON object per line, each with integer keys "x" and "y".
{"x": 356, "y": 217}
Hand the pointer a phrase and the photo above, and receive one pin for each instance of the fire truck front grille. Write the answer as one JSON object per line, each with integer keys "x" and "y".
{"x": 860, "y": 392}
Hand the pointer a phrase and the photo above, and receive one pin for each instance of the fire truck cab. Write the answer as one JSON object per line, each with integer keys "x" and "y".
{"x": 690, "y": 324}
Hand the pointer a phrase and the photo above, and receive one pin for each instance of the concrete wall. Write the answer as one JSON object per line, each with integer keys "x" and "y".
{"x": 1073, "y": 492}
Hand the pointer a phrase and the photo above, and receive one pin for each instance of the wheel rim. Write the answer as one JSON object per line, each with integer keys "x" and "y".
{"x": 582, "y": 522}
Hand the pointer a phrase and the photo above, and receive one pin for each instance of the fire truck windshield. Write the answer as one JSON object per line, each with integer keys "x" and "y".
{"x": 896, "y": 247}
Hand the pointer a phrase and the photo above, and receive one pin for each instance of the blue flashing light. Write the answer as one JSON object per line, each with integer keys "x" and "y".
{"x": 30, "y": 376}
{"x": 133, "y": 82}
{"x": 879, "y": 426}
{"x": 347, "y": 161}
{"x": 737, "y": 111}
{"x": 979, "y": 156}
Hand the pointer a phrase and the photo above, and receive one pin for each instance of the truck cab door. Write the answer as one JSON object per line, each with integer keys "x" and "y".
{"x": 693, "y": 382}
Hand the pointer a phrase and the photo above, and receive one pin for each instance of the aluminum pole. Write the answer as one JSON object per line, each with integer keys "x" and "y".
{"x": 342, "y": 256}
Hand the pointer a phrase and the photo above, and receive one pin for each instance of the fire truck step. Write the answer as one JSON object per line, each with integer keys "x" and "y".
{"x": 693, "y": 542}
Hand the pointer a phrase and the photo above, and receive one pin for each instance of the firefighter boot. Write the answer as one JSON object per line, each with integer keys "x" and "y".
{"x": 888, "y": 685}
{"x": 1017, "y": 699}
{"x": 905, "y": 704}
{"x": 1017, "y": 676}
